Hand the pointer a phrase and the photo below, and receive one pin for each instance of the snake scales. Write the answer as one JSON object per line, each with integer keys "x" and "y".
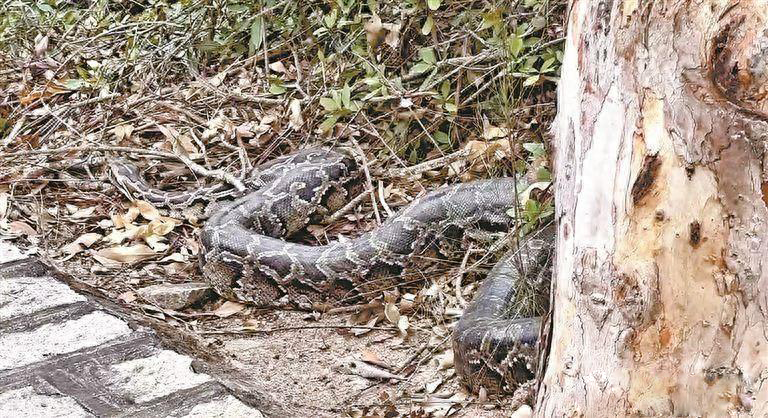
{"x": 246, "y": 258}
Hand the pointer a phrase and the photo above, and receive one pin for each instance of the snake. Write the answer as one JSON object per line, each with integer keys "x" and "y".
{"x": 249, "y": 254}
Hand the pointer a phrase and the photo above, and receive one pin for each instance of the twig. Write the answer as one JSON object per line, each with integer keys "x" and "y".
{"x": 15, "y": 131}
{"x": 93, "y": 100}
{"x": 193, "y": 117}
{"x": 429, "y": 165}
{"x": 346, "y": 209}
{"x": 412, "y": 358}
{"x": 482, "y": 88}
{"x": 299, "y": 75}
{"x": 460, "y": 275}
{"x": 247, "y": 330}
{"x": 384, "y": 202}
{"x": 368, "y": 181}
{"x": 193, "y": 166}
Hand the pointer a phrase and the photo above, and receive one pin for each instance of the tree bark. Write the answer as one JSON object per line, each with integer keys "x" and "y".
{"x": 660, "y": 292}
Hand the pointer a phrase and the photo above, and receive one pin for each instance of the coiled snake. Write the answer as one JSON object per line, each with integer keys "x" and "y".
{"x": 245, "y": 257}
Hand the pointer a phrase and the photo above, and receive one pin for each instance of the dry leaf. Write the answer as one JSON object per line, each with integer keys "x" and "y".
{"x": 41, "y": 45}
{"x": 125, "y": 254}
{"x": 122, "y": 132}
{"x": 441, "y": 407}
{"x": 352, "y": 366}
{"x": 178, "y": 257}
{"x": 147, "y": 210}
{"x": 444, "y": 361}
{"x": 362, "y": 331}
{"x": 229, "y": 308}
{"x": 393, "y": 35}
{"x": 369, "y": 356}
{"x": 373, "y": 31}
{"x": 431, "y": 387}
{"x": 3, "y": 205}
{"x": 493, "y": 132}
{"x": 295, "y": 120}
{"x": 277, "y": 67}
{"x": 76, "y": 212}
{"x": 403, "y": 324}
{"x": 21, "y": 228}
{"x": 128, "y": 296}
{"x": 216, "y": 80}
{"x": 82, "y": 242}
{"x": 391, "y": 313}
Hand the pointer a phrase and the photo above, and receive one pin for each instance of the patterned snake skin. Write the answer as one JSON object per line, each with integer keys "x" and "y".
{"x": 495, "y": 341}
{"x": 246, "y": 258}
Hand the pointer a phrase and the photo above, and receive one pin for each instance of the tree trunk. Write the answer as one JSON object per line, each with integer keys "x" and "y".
{"x": 661, "y": 293}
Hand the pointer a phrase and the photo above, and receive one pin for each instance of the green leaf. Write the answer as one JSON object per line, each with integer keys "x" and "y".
{"x": 329, "y": 104}
{"x": 427, "y": 55}
{"x": 539, "y": 22}
{"x": 256, "y": 35}
{"x": 515, "y": 45}
{"x": 414, "y": 156}
{"x": 330, "y": 19}
{"x": 420, "y": 67}
{"x": 355, "y": 105}
{"x": 451, "y": 107}
{"x": 531, "y": 80}
{"x": 445, "y": 89}
{"x": 532, "y": 210}
{"x": 433, "y": 4}
{"x": 442, "y": 138}
{"x": 276, "y": 89}
{"x": 547, "y": 66}
{"x": 328, "y": 123}
{"x": 345, "y": 96}
{"x": 76, "y": 84}
{"x": 491, "y": 19}
{"x": 428, "y": 25}
{"x": 543, "y": 175}
{"x": 535, "y": 148}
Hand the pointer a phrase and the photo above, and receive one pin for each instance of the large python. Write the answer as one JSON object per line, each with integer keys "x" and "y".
{"x": 245, "y": 255}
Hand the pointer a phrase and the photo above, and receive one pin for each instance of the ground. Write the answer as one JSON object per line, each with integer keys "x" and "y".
{"x": 424, "y": 93}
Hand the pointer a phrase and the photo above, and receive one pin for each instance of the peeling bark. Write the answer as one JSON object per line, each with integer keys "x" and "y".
{"x": 660, "y": 295}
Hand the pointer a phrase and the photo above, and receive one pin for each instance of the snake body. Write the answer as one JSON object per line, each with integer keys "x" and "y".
{"x": 246, "y": 257}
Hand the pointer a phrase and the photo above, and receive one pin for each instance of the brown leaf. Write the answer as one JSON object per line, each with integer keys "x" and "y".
{"x": 369, "y": 356}
{"x": 125, "y": 254}
{"x": 295, "y": 120}
{"x": 147, "y": 210}
{"x": 362, "y": 331}
{"x": 374, "y": 33}
{"x": 128, "y": 296}
{"x": 391, "y": 313}
{"x": 122, "y": 132}
{"x": 22, "y": 228}
{"x": 82, "y": 242}
{"x": 3, "y": 205}
{"x": 228, "y": 308}
{"x": 277, "y": 67}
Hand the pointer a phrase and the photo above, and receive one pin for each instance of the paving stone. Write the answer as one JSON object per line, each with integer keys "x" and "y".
{"x": 63, "y": 355}
{"x": 24, "y": 295}
{"x": 152, "y": 377}
{"x": 228, "y": 407}
{"x": 22, "y": 348}
{"x": 26, "y": 402}
{"x": 175, "y": 296}
{"x": 10, "y": 253}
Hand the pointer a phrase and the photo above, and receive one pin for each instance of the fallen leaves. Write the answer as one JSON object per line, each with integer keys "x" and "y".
{"x": 80, "y": 244}
{"x": 114, "y": 257}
